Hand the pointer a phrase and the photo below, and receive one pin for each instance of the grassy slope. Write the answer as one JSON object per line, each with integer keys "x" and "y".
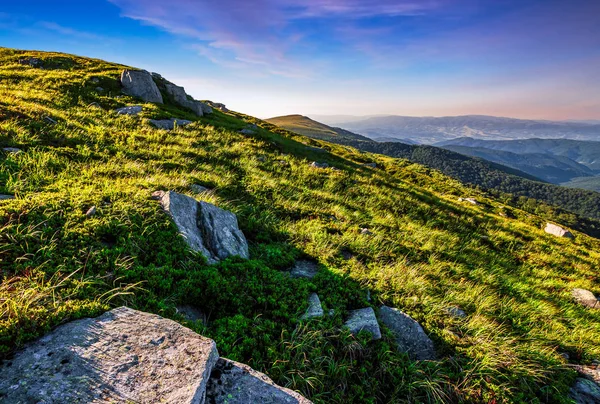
{"x": 427, "y": 251}
{"x": 303, "y": 125}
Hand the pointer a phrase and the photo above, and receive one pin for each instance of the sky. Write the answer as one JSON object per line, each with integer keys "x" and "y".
{"x": 536, "y": 59}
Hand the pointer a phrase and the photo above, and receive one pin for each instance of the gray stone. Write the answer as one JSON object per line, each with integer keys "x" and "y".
{"x": 139, "y": 83}
{"x": 197, "y": 188}
{"x": 235, "y": 383}
{"x": 169, "y": 124}
{"x": 409, "y": 334}
{"x": 456, "y": 312}
{"x": 372, "y": 165}
{"x": 315, "y": 164}
{"x": 557, "y": 231}
{"x": 91, "y": 211}
{"x": 52, "y": 121}
{"x": 191, "y": 313}
{"x": 586, "y": 298}
{"x": 365, "y": 231}
{"x": 304, "y": 269}
{"x": 12, "y": 150}
{"x": 31, "y": 61}
{"x": 472, "y": 201}
{"x": 314, "y": 307}
{"x": 6, "y": 197}
{"x": 131, "y": 110}
{"x": 95, "y": 80}
{"x": 99, "y": 89}
{"x": 122, "y": 356}
{"x": 363, "y": 319}
{"x": 206, "y": 109}
{"x": 207, "y": 229}
{"x": 181, "y": 98}
{"x": 247, "y": 131}
{"x": 585, "y": 392}
{"x": 221, "y": 107}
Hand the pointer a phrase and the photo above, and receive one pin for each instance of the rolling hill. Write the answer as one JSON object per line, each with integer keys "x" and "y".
{"x": 394, "y": 234}
{"x": 303, "y": 125}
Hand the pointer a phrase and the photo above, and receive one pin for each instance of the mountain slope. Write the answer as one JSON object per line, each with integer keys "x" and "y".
{"x": 426, "y": 251}
{"x": 554, "y": 169}
{"x": 303, "y": 125}
{"x": 430, "y": 130}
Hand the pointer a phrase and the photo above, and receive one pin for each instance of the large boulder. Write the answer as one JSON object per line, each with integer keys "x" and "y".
{"x": 585, "y": 391}
{"x": 139, "y": 83}
{"x": 409, "y": 334}
{"x": 122, "y": 356}
{"x": 235, "y": 383}
{"x": 586, "y": 298}
{"x": 363, "y": 319}
{"x": 180, "y": 97}
{"x": 207, "y": 229}
{"x": 557, "y": 231}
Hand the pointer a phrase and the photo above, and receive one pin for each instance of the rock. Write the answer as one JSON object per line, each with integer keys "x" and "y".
{"x": 94, "y": 104}
{"x": 586, "y": 298}
{"x": 52, "y": 121}
{"x": 139, "y": 83}
{"x": 191, "y": 313}
{"x": 363, "y": 319}
{"x": 180, "y": 97}
{"x": 314, "y": 307}
{"x": 99, "y": 89}
{"x": 12, "y": 150}
{"x": 409, "y": 335}
{"x": 304, "y": 269}
{"x": 472, "y": 201}
{"x": 122, "y": 356}
{"x": 262, "y": 159}
{"x": 207, "y": 229}
{"x": 558, "y": 231}
{"x": 169, "y": 124}
{"x": 235, "y": 383}
{"x": 372, "y": 165}
{"x": 365, "y": 231}
{"x": 315, "y": 164}
{"x": 206, "y": 109}
{"x": 589, "y": 372}
{"x": 199, "y": 188}
{"x": 6, "y": 197}
{"x": 95, "y": 80}
{"x": 585, "y": 392}
{"x": 221, "y": 107}
{"x": 247, "y": 131}
{"x": 31, "y": 61}
{"x": 91, "y": 211}
{"x": 456, "y": 312}
{"x": 131, "y": 110}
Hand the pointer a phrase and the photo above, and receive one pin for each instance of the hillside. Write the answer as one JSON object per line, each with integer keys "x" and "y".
{"x": 550, "y": 168}
{"x": 431, "y": 130}
{"x": 395, "y": 234}
{"x": 303, "y": 125}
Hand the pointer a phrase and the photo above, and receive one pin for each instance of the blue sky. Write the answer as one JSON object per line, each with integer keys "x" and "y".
{"x": 528, "y": 59}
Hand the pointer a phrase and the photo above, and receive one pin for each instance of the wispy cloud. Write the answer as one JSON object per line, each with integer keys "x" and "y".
{"x": 70, "y": 32}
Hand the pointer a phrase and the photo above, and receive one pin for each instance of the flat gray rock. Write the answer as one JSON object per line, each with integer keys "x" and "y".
{"x": 207, "y": 229}
{"x": 122, "y": 356}
{"x": 456, "y": 312}
{"x": 235, "y": 383}
{"x": 169, "y": 124}
{"x": 304, "y": 269}
{"x": 557, "y": 231}
{"x": 314, "y": 307}
{"x": 316, "y": 164}
{"x": 363, "y": 319}
{"x": 131, "y": 110}
{"x": 12, "y": 150}
{"x": 206, "y": 109}
{"x": 139, "y": 83}
{"x": 585, "y": 391}
{"x": 6, "y": 197}
{"x": 409, "y": 334}
{"x": 585, "y": 298}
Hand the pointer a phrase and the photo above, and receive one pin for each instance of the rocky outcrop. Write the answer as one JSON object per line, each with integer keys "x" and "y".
{"x": 220, "y": 107}
{"x": 122, "y": 356}
{"x": 129, "y": 356}
{"x": 235, "y": 383}
{"x": 363, "y": 319}
{"x": 585, "y": 391}
{"x": 169, "y": 124}
{"x": 181, "y": 98}
{"x": 316, "y": 164}
{"x": 207, "y": 229}
{"x": 304, "y": 269}
{"x": 557, "y": 231}
{"x": 586, "y": 298}
{"x": 408, "y": 334}
{"x": 139, "y": 83}
{"x": 314, "y": 307}
{"x": 131, "y": 110}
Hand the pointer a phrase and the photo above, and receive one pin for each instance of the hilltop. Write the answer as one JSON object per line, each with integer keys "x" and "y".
{"x": 82, "y": 234}
{"x": 303, "y": 125}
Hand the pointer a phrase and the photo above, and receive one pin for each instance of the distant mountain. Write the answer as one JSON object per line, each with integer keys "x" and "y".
{"x": 586, "y": 153}
{"x": 394, "y": 139}
{"x": 555, "y": 169}
{"x": 591, "y": 183}
{"x": 430, "y": 130}
{"x": 303, "y": 125}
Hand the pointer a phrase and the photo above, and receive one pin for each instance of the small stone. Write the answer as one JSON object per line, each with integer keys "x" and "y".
{"x": 585, "y": 298}
{"x": 157, "y": 195}
{"x": 372, "y": 165}
{"x": 12, "y": 150}
{"x": 247, "y": 131}
{"x": 131, "y": 110}
{"x": 220, "y": 107}
{"x": 314, "y": 308}
{"x": 6, "y": 197}
{"x": 169, "y": 124}
{"x": 91, "y": 211}
{"x": 99, "y": 89}
{"x": 95, "y": 80}
{"x": 409, "y": 335}
{"x": 52, "y": 121}
{"x": 363, "y": 319}
{"x": 316, "y": 164}
{"x": 456, "y": 312}
{"x": 472, "y": 201}
{"x": 585, "y": 391}
{"x": 304, "y": 269}
{"x": 557, "y": 231}
{"x": 365, "y": 231}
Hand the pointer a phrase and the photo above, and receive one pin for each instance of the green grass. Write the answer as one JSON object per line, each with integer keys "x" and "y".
{"x": 303, "y": 125}
{"x": 427, "y": 251}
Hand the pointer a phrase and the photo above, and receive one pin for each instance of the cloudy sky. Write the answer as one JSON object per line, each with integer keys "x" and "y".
{"x": 518, "y": 58}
